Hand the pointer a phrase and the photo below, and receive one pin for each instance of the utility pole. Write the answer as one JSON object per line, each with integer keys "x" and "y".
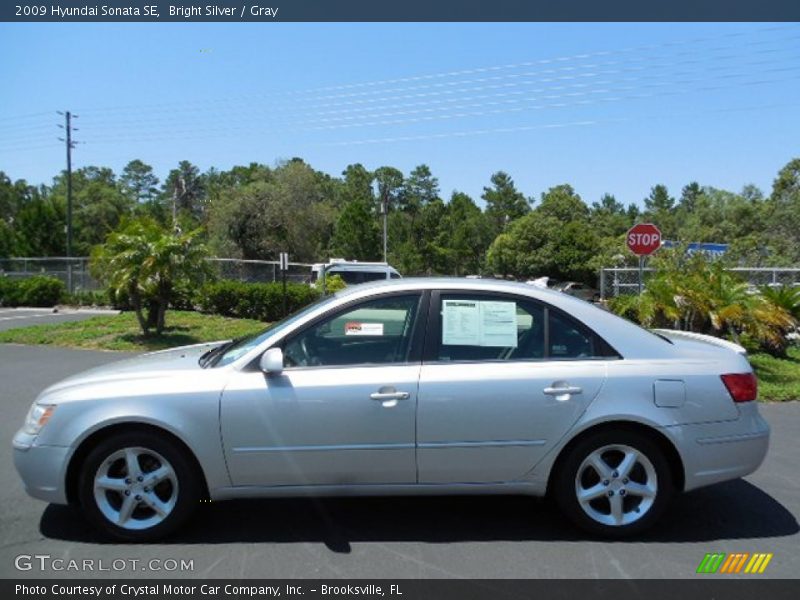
{"x": 385, "y": 213}
{"x": 70, "y": 145}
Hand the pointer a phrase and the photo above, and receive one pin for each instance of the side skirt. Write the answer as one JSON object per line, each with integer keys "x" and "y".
{"x": 426, "y": 489}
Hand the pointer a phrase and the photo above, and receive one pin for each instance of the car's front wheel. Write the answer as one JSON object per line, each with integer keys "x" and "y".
{"x": 614, "y": 483}
{"x": 138, "y": 486}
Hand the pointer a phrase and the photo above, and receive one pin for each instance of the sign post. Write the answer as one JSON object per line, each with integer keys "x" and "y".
{"x": 284, "y": 266}
{"x": 643, "y": 239}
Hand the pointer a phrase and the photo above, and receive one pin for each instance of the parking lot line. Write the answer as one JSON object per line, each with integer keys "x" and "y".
{"x": 50, "y": 314}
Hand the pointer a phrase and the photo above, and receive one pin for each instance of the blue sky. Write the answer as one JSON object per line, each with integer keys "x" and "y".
{"x": 611, "y": 108}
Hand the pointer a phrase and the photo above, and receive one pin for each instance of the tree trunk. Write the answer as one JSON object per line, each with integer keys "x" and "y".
{"x": 152, "y": 314}
{"x": 164, "y": 293}
{"x": 136, "y": 302}
{"x": 162, "y": 311}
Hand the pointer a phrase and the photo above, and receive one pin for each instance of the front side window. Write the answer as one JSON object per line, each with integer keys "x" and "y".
{"x": 227, "y": 353}
{"x": 374, "y": 332}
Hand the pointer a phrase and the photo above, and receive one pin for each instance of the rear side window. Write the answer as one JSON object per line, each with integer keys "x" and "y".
{"x": 490, "y": 328}
{"x": 570, "y": 340}
{"x": 507, "y": 328}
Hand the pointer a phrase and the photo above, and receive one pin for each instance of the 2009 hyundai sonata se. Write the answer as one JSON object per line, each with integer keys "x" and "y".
{"x": 429, "y": 386}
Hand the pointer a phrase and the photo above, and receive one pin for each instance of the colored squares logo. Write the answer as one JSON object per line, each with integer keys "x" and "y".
{"x": 736, "y": 562}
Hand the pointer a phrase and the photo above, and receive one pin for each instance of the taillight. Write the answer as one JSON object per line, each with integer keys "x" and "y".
{"x": 743, "y": 387}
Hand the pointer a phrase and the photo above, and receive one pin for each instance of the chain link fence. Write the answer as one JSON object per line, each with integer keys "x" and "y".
{"x": 625, "y": 280}
{"x": 77, "y": 269}
{"x": 259, "y": 271}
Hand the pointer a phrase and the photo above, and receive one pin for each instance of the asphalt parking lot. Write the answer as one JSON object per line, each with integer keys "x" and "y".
{"x": 482, "y": 537}
{"x": 22, "y": 317}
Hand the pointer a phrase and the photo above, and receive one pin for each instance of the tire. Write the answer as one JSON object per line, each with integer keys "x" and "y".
{"x": 159, "y": 497}
{"x": 631, "y": 494}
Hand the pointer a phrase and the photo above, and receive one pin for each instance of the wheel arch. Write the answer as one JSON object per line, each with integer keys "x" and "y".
{"x": 665, "y": 444}
{"x": 90, "y": 442}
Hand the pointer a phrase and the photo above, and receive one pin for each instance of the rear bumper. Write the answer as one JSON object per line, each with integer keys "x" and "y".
{"x": 42, "y": 468}
{"x": 715, "y": 452}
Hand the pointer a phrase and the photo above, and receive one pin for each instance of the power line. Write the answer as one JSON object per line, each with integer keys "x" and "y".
{"x": 692, "y": 42}
{"x": 517, "y": 97}
{"x": 582, "y": 79}
{"x": 521, "y": 128}
{"x": 291, "y": 94}
{"x": 305, "y": 126}
{"x": 28, "y": 148}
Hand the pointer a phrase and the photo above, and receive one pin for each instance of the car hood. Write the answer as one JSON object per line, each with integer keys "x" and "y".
{"x": 163, "y": 363}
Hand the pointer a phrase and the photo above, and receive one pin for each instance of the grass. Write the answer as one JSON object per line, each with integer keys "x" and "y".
{"x": 778, "y": 378}
{"x": 122, "y": 333}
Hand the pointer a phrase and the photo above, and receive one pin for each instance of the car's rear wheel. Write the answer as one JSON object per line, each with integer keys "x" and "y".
{"x": 614, "y": 483}
{"x": 138, "y": 486}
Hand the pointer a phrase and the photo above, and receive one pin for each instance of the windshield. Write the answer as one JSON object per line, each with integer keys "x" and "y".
{"x": 243, "y": 345}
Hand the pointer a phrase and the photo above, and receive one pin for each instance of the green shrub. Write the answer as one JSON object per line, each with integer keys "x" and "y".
{"x": 42, "y": 291}
{"x": 9, "y": 292}
{"x": 88, "y": 298}
{"x": 334, "y": 283}
{"x": 262, "y": 301}
{"x": 34, "y": 291}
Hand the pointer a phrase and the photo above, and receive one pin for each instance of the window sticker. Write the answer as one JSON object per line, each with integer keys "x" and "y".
{"x": 356, "y": 328}
{"x": 479, "y": 323}
{"x": 461, "y": 323}
{"x": 499, "y": 324}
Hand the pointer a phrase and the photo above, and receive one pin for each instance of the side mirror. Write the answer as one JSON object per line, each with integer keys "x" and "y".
{"x": 272, "y": 361}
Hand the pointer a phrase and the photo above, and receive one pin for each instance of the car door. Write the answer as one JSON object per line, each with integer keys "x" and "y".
{"x": 504, "y": 378}
{"x": 342, "y": 412}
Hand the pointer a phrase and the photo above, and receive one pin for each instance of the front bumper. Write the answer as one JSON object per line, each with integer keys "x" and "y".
{"x": 724, "y": 450}
{"x": 42, "y": 468}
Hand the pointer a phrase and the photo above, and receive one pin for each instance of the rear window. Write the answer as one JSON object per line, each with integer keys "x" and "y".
{"x": 356, "y": 277}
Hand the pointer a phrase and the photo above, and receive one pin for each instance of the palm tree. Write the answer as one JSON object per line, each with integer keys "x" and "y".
{"x": 699, "y": 295}
{"x": 146, "y": 262}
{"x": 785, "y": 296}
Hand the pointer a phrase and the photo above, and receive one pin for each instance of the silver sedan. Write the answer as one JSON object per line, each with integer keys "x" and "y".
{"x": 429, "y": 386}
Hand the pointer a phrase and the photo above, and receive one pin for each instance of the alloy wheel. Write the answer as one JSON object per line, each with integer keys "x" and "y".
{"x": 616, "y": 485}
{"x": 135, "y": 488}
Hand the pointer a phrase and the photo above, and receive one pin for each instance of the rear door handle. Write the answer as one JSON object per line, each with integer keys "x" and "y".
{"x": 567, "y": 390}
{"x": 383, "y": 396}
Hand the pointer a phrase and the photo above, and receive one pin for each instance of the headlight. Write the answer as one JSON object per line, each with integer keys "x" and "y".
{"x": 38, "y": 416}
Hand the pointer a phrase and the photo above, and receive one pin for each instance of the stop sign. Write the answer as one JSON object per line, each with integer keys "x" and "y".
{"x": 643, "y": 239}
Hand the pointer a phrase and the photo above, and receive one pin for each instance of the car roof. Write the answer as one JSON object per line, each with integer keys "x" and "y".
{"x": 427, "y": 283}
